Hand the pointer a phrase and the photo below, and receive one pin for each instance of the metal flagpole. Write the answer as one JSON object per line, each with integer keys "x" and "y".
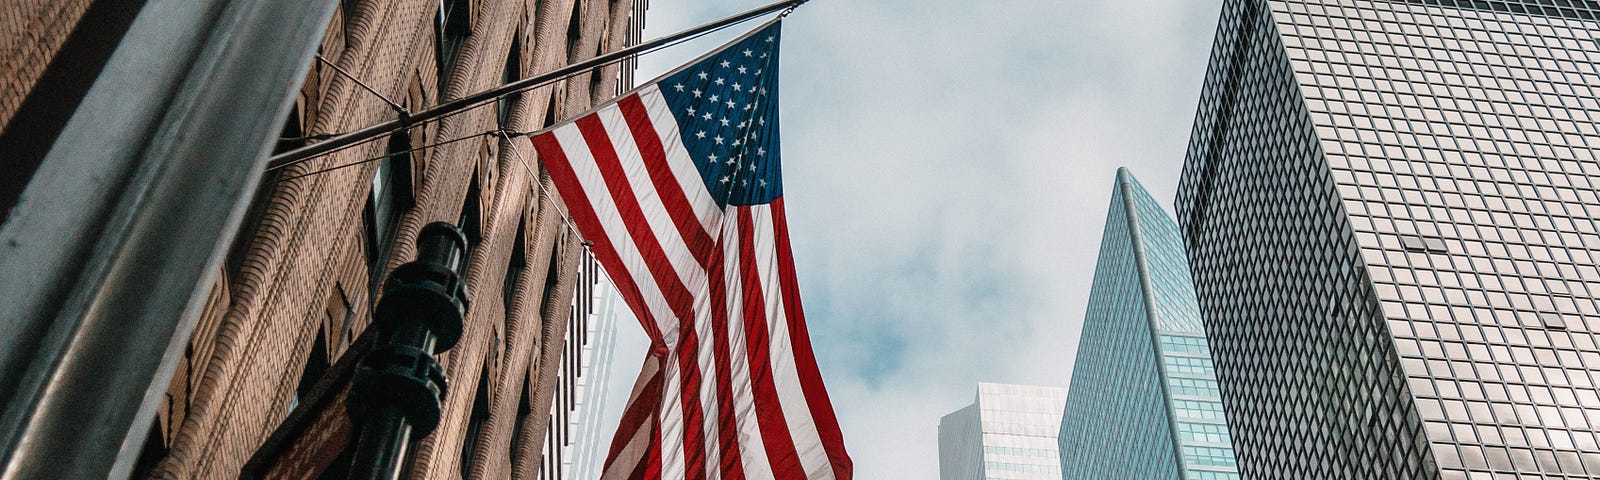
{"x": 461, "y": 104}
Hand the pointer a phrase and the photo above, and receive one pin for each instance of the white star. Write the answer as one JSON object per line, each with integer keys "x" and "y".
{"x": 706, "y": 116}
{"x": 702, "y": 75}
{"x": 762, "y": 121}
{"x": 761, "y": 151}
{"x": 763, "y": 55}
{"x": 763, "y": 91}
{"x": 678, "y": 87}
{"x": 731, "y": 104}
{"x": 714, "y": 98}
{"x": 758, "y": 72}
{"x": 730, "y": 160}
{"x": 737, "y": 142}
{"x": 741, "y": 125}
{"x": 713, "y": 157}
{"x": 696, "y": 93}
{"x": 724, "y": 179}
{"x": 724, "y": 122}
{"x": 700, "y": 134}
{"x": 752, "y": 167}
{"x": 747, "y": 52}
{"x": 741, "y": 69}
{"x": 744, "y": 183}
{"x": 737, "y": 87}
{"x": 769, "y": 38}
{"x": 691, "y": 111}
{"x": 762, "y": 182}
{"x": 719, "y": 81}
{"x": 725, "y": 63}
{"x": 718, "y": 139}
{"x": 752, "y": 89}
{"x": 746, "y": 107}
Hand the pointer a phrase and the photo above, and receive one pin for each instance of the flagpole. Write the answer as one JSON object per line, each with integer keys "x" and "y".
{"x": 458, "y": 105}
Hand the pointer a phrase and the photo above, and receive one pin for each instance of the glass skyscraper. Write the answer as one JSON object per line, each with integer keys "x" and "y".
{"x": 1009, "y": 432}
{"x": 1143, "y": 404}
{"x": 1390, "y": 213}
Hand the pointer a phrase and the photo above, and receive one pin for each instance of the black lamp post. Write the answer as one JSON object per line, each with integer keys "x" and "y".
{"x": 398, "y": 388}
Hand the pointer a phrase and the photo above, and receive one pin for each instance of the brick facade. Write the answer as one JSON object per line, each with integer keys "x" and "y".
{"x": 295, "y": 294}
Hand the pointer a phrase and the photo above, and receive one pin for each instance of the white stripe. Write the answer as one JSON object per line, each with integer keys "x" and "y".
{"x": 709, "y": 403}
{"x": 671, "y": 417}
{"x": 752, "y": 450}
{"x": 786, "y": 377}
{"x": 673, "y": 245}
{"x": 683, "y": 168}
{"x": 605, "y": 208}
{"x": 687, "y": 269}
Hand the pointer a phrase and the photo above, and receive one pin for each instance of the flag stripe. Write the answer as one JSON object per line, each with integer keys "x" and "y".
{"x": 691, "y": 228}
{"x": 579, "y": 208}
{"x": 823, "y": 418}
{"x": 807, "y": 443}
{"x": 631, "y": 446}
{"x": 661, "y": 176}
{"x": 705, "y": 208}
{"x": 751, "y": 448}
{"x": 605, "y": 212}
{"x": 774, "y": 430}
{"x": 732, "y": 466}
{"x": 680, "y": 457}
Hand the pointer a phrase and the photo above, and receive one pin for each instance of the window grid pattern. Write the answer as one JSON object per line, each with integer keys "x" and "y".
{"x": 1390, "y": 208}
{"x": 1120, "y": 419}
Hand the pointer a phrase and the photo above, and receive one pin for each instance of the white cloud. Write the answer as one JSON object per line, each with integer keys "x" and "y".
{"x": 948, "y": 167}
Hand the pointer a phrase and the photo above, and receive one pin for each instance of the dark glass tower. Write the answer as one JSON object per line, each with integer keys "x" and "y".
{"x": 1143, "y": 404}
{"x": 1390, "y": 210}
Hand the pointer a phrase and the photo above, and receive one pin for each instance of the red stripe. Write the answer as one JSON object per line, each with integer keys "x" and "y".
{"x": 652, "y": 458}
{"x": 694, "y": 450}
{"x": 582, "y": 212}
{"x": 648, "y": 140}
{"x": 677, "y": 295}
{"x": 769, "y": 412}
{"x": 805, "y": 360}
{"x": 727, "y": 423}
{"x": 638, "y": 415}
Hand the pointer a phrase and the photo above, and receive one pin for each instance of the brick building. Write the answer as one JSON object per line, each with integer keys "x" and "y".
{"x": 259, "y": 390}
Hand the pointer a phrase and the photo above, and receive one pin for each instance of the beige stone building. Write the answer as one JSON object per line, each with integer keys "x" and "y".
{"x": 259, "y": 391}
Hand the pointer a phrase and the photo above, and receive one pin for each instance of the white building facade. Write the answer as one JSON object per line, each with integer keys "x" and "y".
{"x": 1010, "y": 432}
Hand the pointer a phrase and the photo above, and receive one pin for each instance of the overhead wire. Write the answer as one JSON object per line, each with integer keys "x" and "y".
{"x": 480, "y": 99}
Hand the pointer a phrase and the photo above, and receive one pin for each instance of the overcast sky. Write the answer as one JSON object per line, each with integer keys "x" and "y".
{"x": 947, "y": 169}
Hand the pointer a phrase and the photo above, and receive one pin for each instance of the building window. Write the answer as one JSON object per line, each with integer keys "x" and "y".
{"x": 390, "y": 196}
{"x": 471, "y": 217}
{"x": 519, "y": 263}
{"x": 519, "y": 427}
{"x": 316, "y": 365}
{"x": 480, "y": 415}
{"x": 511, "y": 73}
{"x": 452, "y": 23}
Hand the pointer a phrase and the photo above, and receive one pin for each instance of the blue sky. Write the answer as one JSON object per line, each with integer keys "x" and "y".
{"x": 947, "y": 169}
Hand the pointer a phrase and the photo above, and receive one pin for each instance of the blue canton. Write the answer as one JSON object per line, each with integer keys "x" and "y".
{"x": 727, "y": 111}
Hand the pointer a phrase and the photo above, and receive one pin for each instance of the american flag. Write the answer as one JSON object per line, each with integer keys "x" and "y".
{"x": 677, "y": 185}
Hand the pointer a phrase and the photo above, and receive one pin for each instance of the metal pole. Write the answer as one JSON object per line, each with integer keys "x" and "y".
{"x": 456, "y": 106}
{"x": 396, "y": 393}
{"x": 107, "y": 257}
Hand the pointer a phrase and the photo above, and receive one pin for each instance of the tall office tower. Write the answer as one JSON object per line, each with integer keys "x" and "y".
{"x": 577, "y": 445}
{"x": 1008, "y": 433}
{"x": 1143, "y": 403}
{"x": 1390, "y": 211}
{"x": 259, "y": 387}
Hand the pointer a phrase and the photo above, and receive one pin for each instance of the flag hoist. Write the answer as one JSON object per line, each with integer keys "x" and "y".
{"x": 678, "y": 186}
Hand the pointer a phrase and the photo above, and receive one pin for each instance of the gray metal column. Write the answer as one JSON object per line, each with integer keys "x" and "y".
{"x": 103, "y": 259}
